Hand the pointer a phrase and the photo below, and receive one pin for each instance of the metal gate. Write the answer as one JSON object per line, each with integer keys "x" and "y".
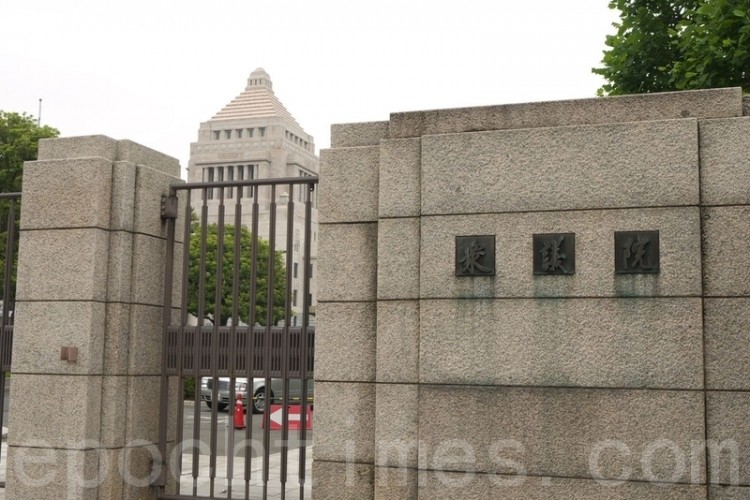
{"x": 233, "y": 325}
{"x": 8, "y": 232}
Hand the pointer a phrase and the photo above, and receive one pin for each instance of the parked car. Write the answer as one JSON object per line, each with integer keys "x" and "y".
{"x": 258, "y": 391}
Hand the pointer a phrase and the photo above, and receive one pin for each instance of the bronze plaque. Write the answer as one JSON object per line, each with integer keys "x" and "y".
{"x": 554, "y": 254}
{"x": 475, "y": 255}
{"x": 636, "y": 252}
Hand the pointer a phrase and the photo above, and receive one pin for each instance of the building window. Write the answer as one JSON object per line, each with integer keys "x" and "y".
{"x": 217, "y": 135}
{"x": 240, "y": 177}
{"x": 209, "y": 178}
{"x": 311, "y": 271}
{"x": 227, "y": 134}
{"x": 295, "y": 269}
{"x": 239, "y": 133}
{"x": 294, "y": 298}
{"x": 249, "y": 132}
{"x": 262, "y": 131}
{"x": 230, "y": 177}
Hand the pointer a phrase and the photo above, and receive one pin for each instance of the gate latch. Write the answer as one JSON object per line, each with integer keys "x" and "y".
{"x": 168, "y": 207}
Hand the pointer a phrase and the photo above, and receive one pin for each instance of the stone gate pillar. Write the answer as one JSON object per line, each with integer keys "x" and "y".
{"x": 90, "y": 289}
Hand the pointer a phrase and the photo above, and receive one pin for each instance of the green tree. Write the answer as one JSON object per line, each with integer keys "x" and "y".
{"x": 244, "y": 272}
{"x": 19, "y": 142}
{"x": 664, "y": 45}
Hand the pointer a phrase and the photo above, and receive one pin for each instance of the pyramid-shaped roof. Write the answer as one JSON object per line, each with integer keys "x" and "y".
{"x": 257, "y": 100}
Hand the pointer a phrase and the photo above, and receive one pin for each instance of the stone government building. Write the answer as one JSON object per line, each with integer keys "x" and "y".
{"x": 255, "y": 137}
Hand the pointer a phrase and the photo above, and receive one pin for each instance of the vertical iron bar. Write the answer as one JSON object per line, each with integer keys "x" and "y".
{"x": 215, "y": 340}
{"x": 233, "y": 335}
{"x": 285, "y": 339}
{"x": 164, "y": 397}
{"x": 181, "y": 338}
{"x": 267, "y": 339}
{"x": 198, "y": 341}
{"x": 250, "y": 344}
{"x": 304, "y": 339}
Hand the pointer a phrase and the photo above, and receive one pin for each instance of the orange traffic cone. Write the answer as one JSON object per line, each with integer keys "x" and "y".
{"x": 239, "y": 413}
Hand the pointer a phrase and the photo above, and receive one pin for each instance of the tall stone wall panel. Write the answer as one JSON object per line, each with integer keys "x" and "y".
{"x": 91, "y": 277}
{"x": 643, "y": 164}
{"x": 639, "y": 343}
{"x": 581, "y": 433}
{"x": 516, "y": 384}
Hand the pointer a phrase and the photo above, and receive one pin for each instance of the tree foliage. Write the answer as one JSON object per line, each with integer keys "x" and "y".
{"x": 664, "y": 45}
{"x": 19, "y": 142}
{"x": 227, "y": 273}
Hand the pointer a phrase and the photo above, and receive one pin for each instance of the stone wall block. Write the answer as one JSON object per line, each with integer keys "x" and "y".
{"x": 123, "y": 196}
{"x": 638, "y": 343}
{"x": 117, "y": 339}
{"x": 396, "y": 425}
{"x": 88, "y": 146}
{"x": 148, "y": 270}
{"x": 644, "y": 164}
{"x": 114, "y": 419}
{"x": 679, "y": 243}
{"x": 59, "y": 401}
{"x": 727, "y": 414}
{"x": 398, "y": 341}
{"x": 393, "y": 482}
{"x": 725, "y": 161}
{"x": 400, "y": 178}
{"x": 398, "y": 258}
{"x": 63, "y": 264}
{"x": 345, "y": 422}
{"x": 345, "y": 342}
{"x": 141, "y": 155}
{"x": 554, "y": 431}
{"x": 342, "y": 481}
{"x": 43, "y": 328}
{"x": 77, "y": 195}
{"x": 728, "y": 492}
{"x": 143, "y": 408}
{"x": 348, "y": 189}
{"x": 120, "y": 266}
{"x": 348, "y": 273}
{"x": 441, "y": 485}
{"x": 727, "y": 334}
{"x": 710, "y": 103}
{"x": 349, "y": 135}
{"x": 726, "y": 261}
{"x": 50, "y": 473}
{"x": 145, "y": 339}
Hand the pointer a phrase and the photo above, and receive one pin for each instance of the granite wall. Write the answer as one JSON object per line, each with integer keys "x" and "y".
{"x": 514, "y": 384}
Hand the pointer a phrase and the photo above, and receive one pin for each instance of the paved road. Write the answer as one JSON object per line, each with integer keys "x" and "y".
{"x": 222, "y": 417}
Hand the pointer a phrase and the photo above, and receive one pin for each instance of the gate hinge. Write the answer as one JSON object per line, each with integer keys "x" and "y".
{"x": 168, "y": 207}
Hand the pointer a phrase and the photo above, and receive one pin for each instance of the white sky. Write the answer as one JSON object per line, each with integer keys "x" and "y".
{"x": 153, "y": 70}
